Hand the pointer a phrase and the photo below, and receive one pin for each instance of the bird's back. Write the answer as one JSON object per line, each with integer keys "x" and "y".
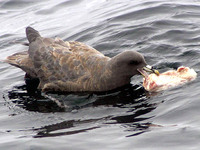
{"x": 59, "y": 65}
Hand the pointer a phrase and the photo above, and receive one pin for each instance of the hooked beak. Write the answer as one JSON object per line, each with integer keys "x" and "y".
{"x": 148, "y": 69}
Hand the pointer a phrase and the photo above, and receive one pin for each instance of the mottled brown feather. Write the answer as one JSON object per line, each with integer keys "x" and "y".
{"x": 22, "y": 60}
{"x": 72, "y": 65}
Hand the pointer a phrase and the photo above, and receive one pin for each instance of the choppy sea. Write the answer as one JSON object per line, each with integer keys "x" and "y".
{"x": 166, "y": 32}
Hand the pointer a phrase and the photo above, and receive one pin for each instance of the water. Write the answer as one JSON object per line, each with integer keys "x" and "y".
{"x": 165, "y": 32}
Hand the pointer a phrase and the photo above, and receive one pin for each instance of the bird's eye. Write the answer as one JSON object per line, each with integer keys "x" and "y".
{"x": 134, "y": 63}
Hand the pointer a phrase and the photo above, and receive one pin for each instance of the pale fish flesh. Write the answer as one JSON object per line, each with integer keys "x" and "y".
{"x": 169, "y": 79}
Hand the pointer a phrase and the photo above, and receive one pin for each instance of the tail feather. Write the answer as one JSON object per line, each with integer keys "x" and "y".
{"x": 31, "y": 34}
{"x": 15, "y": 59}
{"x": 22, "y": 61}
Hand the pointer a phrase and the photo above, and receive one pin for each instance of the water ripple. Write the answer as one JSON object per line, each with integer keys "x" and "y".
{"x": 165, "y": 32}
{"x": 59, "y": 6}
{"x": 143, "y": 13}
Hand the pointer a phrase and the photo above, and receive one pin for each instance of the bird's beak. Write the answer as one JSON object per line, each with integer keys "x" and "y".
{"x": 148, "y": 69}
{"x": 151, "y": 70}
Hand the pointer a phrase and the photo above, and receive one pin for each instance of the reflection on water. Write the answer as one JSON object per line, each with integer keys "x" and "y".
{"x": 131, "y": 97}
{"x": 165, "y": 32}
{"x": 33, "y": 102}
{"x": 54, "y": 129}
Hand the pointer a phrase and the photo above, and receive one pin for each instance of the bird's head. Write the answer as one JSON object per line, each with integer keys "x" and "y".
{"x": 130, "y": 63}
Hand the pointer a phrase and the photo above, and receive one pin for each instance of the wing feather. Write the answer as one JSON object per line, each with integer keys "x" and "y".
{"x": 59, "y": 65}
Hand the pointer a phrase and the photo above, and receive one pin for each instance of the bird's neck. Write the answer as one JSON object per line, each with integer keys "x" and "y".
{"x": 112, "y": 78}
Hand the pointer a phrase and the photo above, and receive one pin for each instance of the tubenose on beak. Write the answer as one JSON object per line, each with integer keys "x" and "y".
{"x": 148, "y": 69}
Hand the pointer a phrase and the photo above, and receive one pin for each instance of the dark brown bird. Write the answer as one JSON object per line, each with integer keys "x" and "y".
{"x": 74, "y": 66}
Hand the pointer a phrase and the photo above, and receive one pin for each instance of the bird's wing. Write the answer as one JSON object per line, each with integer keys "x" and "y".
{"x": 59, "y": 61}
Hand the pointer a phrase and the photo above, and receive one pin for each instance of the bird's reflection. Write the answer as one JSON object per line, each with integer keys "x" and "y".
{"x": 130, "y": 98}
{"x": 49, "y": 131}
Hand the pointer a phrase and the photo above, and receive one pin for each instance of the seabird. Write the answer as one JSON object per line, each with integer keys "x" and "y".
{"x": 73, "y": 66}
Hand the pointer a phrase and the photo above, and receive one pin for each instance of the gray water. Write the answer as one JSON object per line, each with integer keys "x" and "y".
{"x": 166, "y": 32}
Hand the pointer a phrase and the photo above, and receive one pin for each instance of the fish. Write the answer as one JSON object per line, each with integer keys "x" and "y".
{"x": 169, "y": 79}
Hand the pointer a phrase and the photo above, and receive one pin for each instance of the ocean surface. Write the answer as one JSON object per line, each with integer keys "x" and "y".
{"x": 166, "y": 32}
